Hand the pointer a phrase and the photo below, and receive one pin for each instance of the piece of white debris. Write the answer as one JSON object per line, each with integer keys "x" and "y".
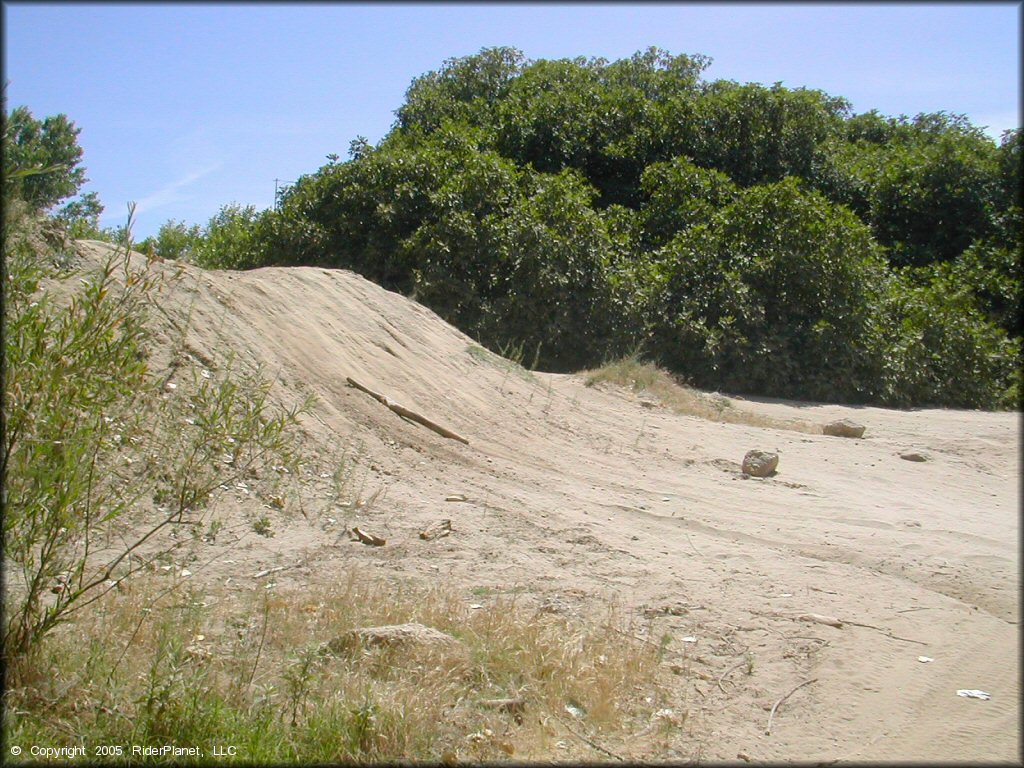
{"x": 689, "y": 639}
{"x": 974, "y": 694}
{"x": 185, "y": 573}
{"x": 925, "y": 659}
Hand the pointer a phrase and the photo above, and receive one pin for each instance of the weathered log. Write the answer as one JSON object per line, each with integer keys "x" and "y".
{"x": 406, "y": 413}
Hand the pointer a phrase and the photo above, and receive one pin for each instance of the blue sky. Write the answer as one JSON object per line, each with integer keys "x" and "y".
{"x": 186, "y": 107}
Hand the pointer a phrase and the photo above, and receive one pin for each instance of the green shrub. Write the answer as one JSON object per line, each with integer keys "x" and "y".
{"x": 94, "y": 444}
{"x": 934, "y": 347}
{"x": 771, "y": 295}
{"x": 42, "y": 159}
{"x": 174, "y": 240}
{"x": 231, "y": 240}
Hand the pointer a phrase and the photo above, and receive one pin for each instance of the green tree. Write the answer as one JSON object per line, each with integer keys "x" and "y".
{"x": 41, "y": 159}
{"x": 933, "y": 347}
{"x": 770, "y": 295}
{"x": 454, "y": 251}
{"x": 1010, "y": 160}
{"x": 464, "y": 90}
{"x": 929, "y": 186}
{"x": 82, "y": 217}
{"x": 932, "y": 200}
{"x": 746, "y": 232}
{"x": 758, "y": 135}
{"x": 994, "y": 276}
{"x": 554, "y": 115}
{"x": 231, "y": 239}
{"x": 174, "y": 240}
{"x": 680, "y": 195}
{"x": 553, "y": 283}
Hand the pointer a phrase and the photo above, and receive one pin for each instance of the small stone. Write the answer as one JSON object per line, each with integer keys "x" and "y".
{"x": 913, "y": 456}
{"x": 760, "y": 463}
{"x": 844, "y": 428}
{"x": 436, "y": 530}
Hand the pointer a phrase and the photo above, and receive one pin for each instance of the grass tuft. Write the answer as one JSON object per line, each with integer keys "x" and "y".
{"x": 641, "y": 376}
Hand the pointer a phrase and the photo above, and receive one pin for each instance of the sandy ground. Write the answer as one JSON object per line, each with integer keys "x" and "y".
{"x": 580, "y": 497}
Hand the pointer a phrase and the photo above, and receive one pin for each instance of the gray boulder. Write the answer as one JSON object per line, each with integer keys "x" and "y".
{"x": 760, "y": 463}
{"x": 914, "y": 456}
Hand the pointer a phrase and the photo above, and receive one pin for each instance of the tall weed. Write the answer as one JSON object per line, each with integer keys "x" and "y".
{"x": 102, "y": 457}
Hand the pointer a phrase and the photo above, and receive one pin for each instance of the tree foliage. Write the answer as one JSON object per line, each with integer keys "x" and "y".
{"x": 763, "y": 239}
{"x": 41, "y": 159}
{"x": 754, "y": 238}
{"x": 771, "y": 293}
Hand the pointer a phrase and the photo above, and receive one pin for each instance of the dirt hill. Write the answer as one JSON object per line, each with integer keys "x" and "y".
{"x": 577, "y": 497}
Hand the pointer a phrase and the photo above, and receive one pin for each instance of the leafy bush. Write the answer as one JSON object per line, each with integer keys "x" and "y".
{"x": 93, "y": 444}
{"x": 681, "y": 195}
{"x": 231, "y": 239}
{"x": 174, "y": 240}
{"x": 772, "y": 294}
{"x": 994, "y": 277}
{"x": 81, "y": 217}
{"x": 757, "y": 135}
{"x": 41, "y": 159}
{"x": 932, "y": 200}
{"x": 933, "y": 347}
{"x": 552, "y": 275}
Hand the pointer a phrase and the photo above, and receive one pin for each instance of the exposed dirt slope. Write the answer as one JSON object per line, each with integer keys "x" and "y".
{"x": 580, "y": 496}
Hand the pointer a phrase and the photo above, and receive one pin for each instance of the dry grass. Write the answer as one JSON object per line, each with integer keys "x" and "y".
{"x": 152, "y": 667}
{"x": 641, "y": 376}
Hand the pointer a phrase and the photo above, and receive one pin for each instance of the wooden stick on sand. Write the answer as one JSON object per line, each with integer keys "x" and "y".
{"x": 772, "y": 715}
{"x": 407, "y": 414}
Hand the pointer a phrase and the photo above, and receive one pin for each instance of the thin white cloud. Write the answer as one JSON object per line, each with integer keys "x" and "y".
{"x": 172, "y": 193}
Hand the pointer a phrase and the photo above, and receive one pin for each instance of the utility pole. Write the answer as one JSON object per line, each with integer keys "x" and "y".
{"x": 280, "y": 185}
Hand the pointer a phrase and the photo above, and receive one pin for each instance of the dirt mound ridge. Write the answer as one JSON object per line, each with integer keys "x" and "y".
{"x": 576, "y": 496}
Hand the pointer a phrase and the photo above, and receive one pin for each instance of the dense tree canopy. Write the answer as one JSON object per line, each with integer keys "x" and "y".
{"x": 41, "y": 158}
{"x": 759, "y": 238}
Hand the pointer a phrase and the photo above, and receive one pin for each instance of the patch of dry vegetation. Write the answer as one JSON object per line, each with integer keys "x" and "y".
{"x": 152, "y": 665}
{"x": 641, "y": 376}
